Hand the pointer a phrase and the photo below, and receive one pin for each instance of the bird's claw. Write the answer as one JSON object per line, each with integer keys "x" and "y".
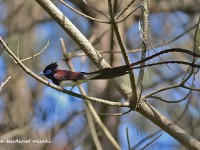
{"x": 71, "y": 88}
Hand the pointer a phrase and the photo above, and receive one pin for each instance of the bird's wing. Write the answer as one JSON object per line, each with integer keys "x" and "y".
{"x": 67, "y": 78}
{"x": 68, "y": 75}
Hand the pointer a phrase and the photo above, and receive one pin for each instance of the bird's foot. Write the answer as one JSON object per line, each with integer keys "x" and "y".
{"x": 71, "y": 88}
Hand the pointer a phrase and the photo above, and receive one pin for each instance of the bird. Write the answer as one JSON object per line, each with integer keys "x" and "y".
{"x": 65, "y": 78}
{"x": 70, "y": 79}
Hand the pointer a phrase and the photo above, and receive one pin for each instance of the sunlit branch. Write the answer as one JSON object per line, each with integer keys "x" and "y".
{"x": 120, "y": 41}
{"x": 144, "y": 36}
{"x": 84, "y": 15}
{"x": 4, "y": 83}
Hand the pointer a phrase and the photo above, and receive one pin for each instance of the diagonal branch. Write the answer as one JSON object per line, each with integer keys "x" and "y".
{"x": 4, "y": 83}
{"x": 132, "y": 95}
{"x": 84, "y": 15}
{"x": 85, "y": 97}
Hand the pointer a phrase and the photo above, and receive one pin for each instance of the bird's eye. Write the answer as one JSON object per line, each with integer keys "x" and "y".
{"x": 48, "y": 71}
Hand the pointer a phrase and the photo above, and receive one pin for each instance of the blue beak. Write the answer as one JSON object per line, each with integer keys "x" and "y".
{"x": 41, "y": 73}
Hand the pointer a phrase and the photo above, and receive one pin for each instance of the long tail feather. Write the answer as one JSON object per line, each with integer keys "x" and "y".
{"x": 109, "y": 73}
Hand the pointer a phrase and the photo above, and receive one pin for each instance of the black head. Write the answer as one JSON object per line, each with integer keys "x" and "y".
{"x": 50, "y": 70}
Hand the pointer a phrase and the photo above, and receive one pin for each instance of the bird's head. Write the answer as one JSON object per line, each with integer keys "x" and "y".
{"x": 50, "y": 70}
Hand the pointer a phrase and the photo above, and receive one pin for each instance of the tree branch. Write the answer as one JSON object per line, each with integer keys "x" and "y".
{"x": 85, "y": 97}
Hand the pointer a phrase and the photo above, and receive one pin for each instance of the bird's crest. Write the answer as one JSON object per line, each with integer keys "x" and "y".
{"x": 51, "y": 66}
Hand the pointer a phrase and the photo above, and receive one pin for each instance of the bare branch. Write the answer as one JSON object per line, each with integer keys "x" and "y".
{"x": 172, "y": 101}
{"x": 84, "y": 15}
{"x": 130, "y": 13}
{"x": 144, "y": 139}
{"x": 28, "y": 71}
{"x": 35, "y": 55}
{"x": 133, "y": 95}
{"x": 124, "y": 9}
{"x": 94, "y": 9}
{"x": 151, "y": 141}
{"x": 4, "y": 83}
{"x": 144, "y": 35}
{"x": 128, "y": 139}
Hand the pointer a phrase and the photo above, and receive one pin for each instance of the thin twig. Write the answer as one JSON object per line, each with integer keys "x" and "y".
{"x": 124, "y": 9}
{"x": 151, "y": 141}
{"x": 183, "y": 112}
{"x": 190, "y": 88}
{"x": 35, "y": 55}
{"x": 128, "y": 139}
{"x": 144, "y": 139}
{"x": 178, "y": 50}
{"x": 4, "y": 83}
{"x": 94, "y": 9}
{"x": 169, "y": 62}
{"x": 133, "y": 95}
{"x": 116, "y": 114}
{"x": 172, "y": 101}
{"x": 150, "y": 45}
{"x": 18, "y": 49}
{"x": 177, "y": 37}
{"x": 84, "y": 15}
{"x": 134, "y": 50}
{"x": 130, "y": 13}
{"x": 161, "y": 90}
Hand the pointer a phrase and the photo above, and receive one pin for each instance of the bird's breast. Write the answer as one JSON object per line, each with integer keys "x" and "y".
{"x": 71, "y": 83}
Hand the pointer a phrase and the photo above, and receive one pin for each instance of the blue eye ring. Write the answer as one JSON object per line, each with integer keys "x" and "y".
{"x": 48, "y": 72}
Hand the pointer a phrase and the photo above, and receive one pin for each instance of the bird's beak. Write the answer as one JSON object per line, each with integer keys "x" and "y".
{"x": 41, "y": 73}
